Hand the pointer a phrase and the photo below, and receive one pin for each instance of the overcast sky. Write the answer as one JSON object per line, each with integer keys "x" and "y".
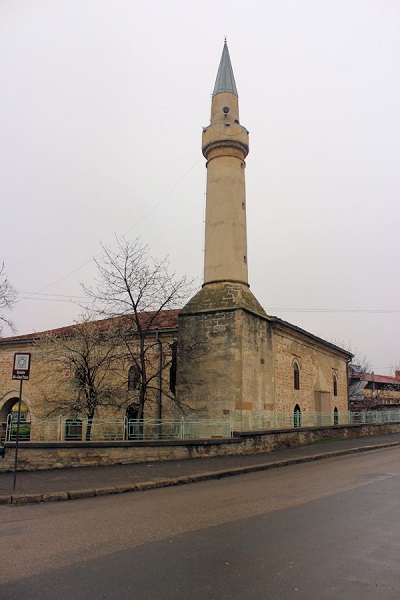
{"x": 101, "y": 110}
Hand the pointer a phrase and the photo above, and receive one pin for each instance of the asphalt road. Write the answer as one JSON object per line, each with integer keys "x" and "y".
{"x": 326, "y": 530}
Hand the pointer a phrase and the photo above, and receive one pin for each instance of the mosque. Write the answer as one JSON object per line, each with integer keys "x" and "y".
{"x": 251, "y": 361}
{"x": 233, "y": 359}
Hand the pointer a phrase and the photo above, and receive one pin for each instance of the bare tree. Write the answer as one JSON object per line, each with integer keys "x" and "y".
{"x": 7, "y": 299}
{"x": 137, "y": 288}
{"x": 395, "y": 370}
{"x": 83, "y": 371}
{"x": 358, "y": 368}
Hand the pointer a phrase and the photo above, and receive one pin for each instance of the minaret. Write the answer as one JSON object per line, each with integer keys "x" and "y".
{"x": 225, "y": 146}
{"x": 223, "y": 365}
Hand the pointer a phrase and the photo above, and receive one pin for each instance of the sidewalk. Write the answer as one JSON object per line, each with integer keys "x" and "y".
{"x": 84, "y": 482}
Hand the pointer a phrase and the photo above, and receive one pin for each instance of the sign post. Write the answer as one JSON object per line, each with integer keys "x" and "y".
{"x": 21, "y": 369}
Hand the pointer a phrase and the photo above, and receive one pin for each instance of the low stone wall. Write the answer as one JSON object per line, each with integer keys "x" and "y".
{"x": 34, "y": 456}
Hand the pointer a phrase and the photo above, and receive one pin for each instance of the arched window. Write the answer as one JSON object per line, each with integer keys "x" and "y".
{"x": 133, "y": 378}
{"x": 296, "y": 376}
{"x": 334, "y": 385}
{"x": 335, "y": 416}
{"x": 297, "y": 416}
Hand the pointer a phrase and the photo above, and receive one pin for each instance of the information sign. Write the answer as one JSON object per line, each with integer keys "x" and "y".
{"x": 22, "y": 365}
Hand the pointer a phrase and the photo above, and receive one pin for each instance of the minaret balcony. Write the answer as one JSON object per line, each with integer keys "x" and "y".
{"x": 218, "y": 142}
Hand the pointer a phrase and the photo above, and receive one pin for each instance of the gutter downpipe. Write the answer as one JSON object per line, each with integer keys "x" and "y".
{"x": 159, "y": 399}
{"x": 160, "y": 369}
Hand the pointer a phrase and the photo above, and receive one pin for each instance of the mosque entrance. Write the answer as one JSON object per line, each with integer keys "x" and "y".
{"x": 297, "y": 416}
{"x": 9, "y": 419}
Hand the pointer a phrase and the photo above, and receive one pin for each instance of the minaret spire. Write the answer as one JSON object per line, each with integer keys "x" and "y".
{"x": 225, "y": 81}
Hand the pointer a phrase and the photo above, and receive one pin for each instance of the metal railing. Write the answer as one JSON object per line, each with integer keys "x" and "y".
{"x": 184, "y": 428}
{"x": 280, "y": 420}
{"x": 11, "y": 429}
{"x": 178, "y": 429}
{"x": 72, "y": 429}
{"x": 3, "y": 430}
{"x": 374, "y": 416}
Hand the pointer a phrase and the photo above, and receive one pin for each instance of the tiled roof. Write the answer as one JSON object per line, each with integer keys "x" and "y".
{"x": 166, "y": 319}
{"x": 369, "y": 377}
{"x": 381, "y": 379}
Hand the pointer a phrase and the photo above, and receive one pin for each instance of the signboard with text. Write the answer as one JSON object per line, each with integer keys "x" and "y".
{"x": 21, "y": 366}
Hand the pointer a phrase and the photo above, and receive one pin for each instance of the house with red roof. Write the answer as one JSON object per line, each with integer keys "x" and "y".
{"x": 372, "y": 391}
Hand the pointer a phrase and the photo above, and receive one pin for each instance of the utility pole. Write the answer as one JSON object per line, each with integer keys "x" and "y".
{"x": 373, "y": 386}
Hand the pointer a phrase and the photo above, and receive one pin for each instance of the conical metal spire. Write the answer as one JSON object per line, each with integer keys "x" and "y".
{"x": 225, "y": 81}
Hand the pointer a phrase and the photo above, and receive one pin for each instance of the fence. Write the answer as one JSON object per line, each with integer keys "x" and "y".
{"x": 374, "y": 416}
{"x": 3, "y": 429}
{"x": 279, "y": 420}
{"x": 72, "y": 429}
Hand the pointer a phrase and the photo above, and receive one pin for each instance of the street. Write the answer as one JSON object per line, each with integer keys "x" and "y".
{"x": 323, "y": 530}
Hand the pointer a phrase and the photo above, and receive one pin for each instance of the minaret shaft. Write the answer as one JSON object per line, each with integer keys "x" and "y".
{"x": 225, "y": 257}
{"x": 225, "y": 145}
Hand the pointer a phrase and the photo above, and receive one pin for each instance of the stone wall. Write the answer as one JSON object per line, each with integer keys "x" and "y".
{"x": 243, "y": 361}
{"x": 9, "y": 389}
{"x": 229, "y": 368}
{"x": 37, "y": 456}
{"x": 209, "y": 380}
{"x": 318, "y": 365}
{"x": 47, "y": 383}
{"x": 233, "y": 360}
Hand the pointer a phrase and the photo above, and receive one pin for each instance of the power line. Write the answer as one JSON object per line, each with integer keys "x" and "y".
{"x": 72, "y": 298}
{"x": 51, "y": 299}
{"x": 56, "y": 295}
{"x": 338, "y": 310}
{"x": 164, "y": 197}
{"x": 129, "y": 230}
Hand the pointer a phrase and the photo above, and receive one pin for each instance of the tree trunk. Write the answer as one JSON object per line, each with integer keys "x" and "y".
{"x": 89, "y": 426}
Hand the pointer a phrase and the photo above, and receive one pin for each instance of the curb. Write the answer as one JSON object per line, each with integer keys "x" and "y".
{"x": 20, "y": 499}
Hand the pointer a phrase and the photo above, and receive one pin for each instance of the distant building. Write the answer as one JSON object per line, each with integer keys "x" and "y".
{"x": 372, "y": 391}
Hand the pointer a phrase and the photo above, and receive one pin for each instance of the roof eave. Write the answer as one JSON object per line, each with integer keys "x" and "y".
{"x": 275, "y": 321}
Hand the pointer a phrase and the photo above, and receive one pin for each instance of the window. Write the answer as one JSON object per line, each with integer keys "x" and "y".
{"x": 335, "y": 416}
{"x": 296, "y": 376}
{"x": 133, "y": 378}
{"x": 73, "y": 429}
{"x": 334, "y": 385}
{"x": 297, "y": 416}
{"x": 132, "y": 412}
